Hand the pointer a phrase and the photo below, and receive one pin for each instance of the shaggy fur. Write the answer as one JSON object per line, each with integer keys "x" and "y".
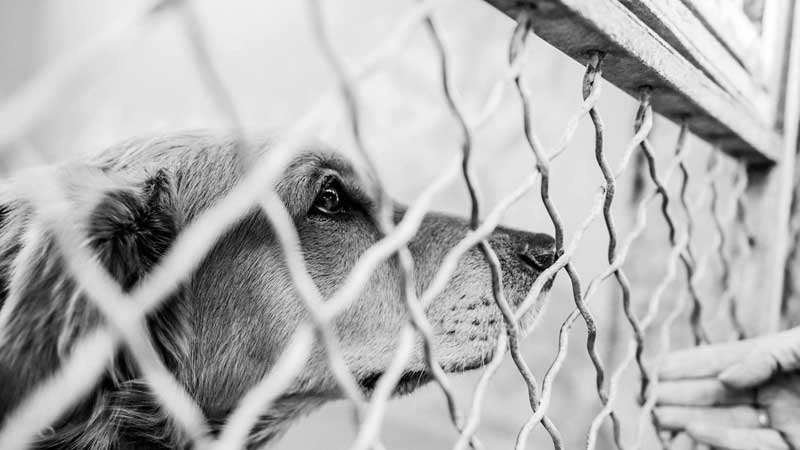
{"x": 223, "y": 329}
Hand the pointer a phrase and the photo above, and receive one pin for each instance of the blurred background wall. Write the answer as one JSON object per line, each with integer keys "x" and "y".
{"x": 148, "y": 83}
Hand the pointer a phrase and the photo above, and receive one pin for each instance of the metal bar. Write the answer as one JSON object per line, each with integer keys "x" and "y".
{"x": 731, "y": 27}
{"x": 768, "y": 203}
{"x": 691, "y": 36}
{"x": 637, "y": 56}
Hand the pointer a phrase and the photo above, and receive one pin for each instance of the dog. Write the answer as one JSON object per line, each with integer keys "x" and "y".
{"x": 224, "y": 328}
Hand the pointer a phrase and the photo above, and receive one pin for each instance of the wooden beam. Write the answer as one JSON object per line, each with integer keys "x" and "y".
{"x": 636, "y": 56}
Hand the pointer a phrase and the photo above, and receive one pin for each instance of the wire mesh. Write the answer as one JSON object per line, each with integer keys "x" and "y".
{"x": 125, "y": 313}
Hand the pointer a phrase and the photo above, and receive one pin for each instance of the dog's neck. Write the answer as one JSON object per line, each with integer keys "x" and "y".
{"x": 131, "y": 419}
{"x": 272, "y": 425}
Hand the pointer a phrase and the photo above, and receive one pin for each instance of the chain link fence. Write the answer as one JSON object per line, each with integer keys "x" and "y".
{"x": 690, "y": 256}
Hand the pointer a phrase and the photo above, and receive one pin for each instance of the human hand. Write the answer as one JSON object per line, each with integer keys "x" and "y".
{"x": 737, "y": 395}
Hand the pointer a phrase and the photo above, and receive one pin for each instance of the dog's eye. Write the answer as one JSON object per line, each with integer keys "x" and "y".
{"x": 328, "y": 200}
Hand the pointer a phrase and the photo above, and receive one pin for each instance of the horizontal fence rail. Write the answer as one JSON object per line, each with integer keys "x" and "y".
{"x": 637, "y": 55}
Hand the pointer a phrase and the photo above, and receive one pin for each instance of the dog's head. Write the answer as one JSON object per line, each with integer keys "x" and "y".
{"x": 226, "y": 326}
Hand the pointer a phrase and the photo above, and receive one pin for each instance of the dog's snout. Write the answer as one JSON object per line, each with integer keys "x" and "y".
{"x": 538, "y": 251}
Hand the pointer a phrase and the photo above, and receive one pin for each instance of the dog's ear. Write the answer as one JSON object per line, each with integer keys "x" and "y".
{"x": 131, "y": 228}
{"x": 7, "y": 252}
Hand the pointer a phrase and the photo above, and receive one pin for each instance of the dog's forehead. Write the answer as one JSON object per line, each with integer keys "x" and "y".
{"x": 348, "y": 166}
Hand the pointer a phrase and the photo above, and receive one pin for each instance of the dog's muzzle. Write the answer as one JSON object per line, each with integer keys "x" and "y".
{"x": 539, "y": 251}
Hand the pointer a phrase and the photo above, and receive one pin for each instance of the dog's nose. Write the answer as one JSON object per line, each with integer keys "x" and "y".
{"x": 538, "y": 251}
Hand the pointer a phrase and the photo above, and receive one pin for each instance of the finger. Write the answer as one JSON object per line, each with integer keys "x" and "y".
{"x": 782, "y": 394}
{"x": 737, "y": 438}
{"x": 754, "y": 370}
{"x": 778, "y": 353}
{"x": 701, "y": 392}
{"x": 704, "y": 361}
{"x": 681, "y": 417}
